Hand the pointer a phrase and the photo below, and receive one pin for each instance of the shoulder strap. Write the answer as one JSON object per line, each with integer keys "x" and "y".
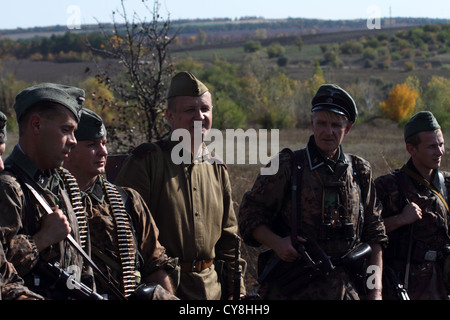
{"x": 29, "y": 211}
{"x": 296, "y": 170}
{"x": 427, "y": 184}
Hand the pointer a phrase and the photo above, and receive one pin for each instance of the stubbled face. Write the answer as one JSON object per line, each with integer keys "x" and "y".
{"x": 329, "y": 131}
{"x": 427, "y": 155}
{"x": 55, "y": 138}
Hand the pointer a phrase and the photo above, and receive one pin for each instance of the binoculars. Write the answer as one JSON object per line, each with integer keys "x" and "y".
{"x": 343, "y": 231}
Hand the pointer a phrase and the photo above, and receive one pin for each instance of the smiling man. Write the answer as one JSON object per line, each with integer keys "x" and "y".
{"x": 191, "y": 202}
{"x": 335, "y": 207}
{"x": 415, "y": 212}
{"x": 48, "y": 115}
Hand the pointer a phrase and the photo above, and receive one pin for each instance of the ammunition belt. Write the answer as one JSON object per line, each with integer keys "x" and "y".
{"x": 125, "y": 237}
{"x": 77, "y": 205}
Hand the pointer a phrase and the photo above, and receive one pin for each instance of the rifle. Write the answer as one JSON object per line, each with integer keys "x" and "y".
{"x": 65, "y": 282}
{"x": 401, "y": 292}
{"x": 237, "y": 271}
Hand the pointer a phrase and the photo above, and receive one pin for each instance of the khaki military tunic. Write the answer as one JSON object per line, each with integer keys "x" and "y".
{"x": 20, "y": 219}
{"x": 150, "y": 255}
{"x": 326, "y": 186}
{"x": 193, "y": 209}
{"x": 430, "y": 238}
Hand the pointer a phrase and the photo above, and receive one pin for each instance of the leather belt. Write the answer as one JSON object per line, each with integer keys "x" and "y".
{"x": 195, "y": 266}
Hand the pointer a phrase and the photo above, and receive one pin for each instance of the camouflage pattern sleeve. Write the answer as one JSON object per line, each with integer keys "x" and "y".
{"x": 11, "y": 285}
{"x": 265, "y": 200}
{"x": 374, "y": 231}
{"x": 389, "y": 195}
{"x": 20, "y": 249}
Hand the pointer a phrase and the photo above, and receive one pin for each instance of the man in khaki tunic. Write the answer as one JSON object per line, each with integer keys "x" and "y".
{"x": 191, "y": 201}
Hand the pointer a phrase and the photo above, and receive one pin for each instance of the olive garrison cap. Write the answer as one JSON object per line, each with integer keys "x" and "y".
{"x": 421, "y": 121}
{"x": 70, "y": 97}
{"x": 3, "y": 119}
{"x": 90, "y": 127}
{"x": 333, "y": 98}
{"x": 186, "y": 84}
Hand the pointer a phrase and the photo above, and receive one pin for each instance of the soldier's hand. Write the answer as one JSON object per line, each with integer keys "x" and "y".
{"x": 411, "y": 213}
{"x": 286, "y": 251}
{"x": 54, "y": 228}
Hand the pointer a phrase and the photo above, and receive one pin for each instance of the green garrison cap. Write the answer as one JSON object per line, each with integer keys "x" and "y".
{"x": 90, "y": 127}
{"x": 70, "y": 97}
{"x": 186, "y": 84}
{"x": 421, "y": 121}
{"x": 3, "y": 119}
{"x": 333, "y": 98}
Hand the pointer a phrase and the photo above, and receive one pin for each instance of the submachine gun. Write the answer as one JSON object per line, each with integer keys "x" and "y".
{"x": 63, "y": 281}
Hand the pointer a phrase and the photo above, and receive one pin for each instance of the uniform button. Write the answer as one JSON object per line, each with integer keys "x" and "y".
{"x": 195, "y": 188}
{"x": 197, "y": 213}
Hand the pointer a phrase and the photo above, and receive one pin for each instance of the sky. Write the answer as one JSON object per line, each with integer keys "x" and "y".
{"x": 31, "y": 13}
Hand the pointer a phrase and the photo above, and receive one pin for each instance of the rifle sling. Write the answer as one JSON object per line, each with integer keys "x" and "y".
{"x": 426, "y": 183}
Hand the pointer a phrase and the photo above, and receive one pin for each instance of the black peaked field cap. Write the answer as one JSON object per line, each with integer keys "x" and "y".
{"x": 333, "y": 98}
{"x": 186, "y": 84}
{"x": 70, "y": 97}
{"x": 90, "y": 127}
{"x": 421, "y": 121}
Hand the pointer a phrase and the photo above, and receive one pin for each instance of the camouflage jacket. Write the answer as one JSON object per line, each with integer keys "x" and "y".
{"x": 328, "y": 191}
{"x": 11, "y": 285}
{"x": 345, "y": 187}
{"x": 21, "y": 216}
{"x": 149, "y": 254}
{"x": 432, "y": 229}
{"x": 429, "y": 234}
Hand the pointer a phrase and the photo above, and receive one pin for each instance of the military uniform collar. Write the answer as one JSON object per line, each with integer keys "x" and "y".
{"x": 435, "y": 181}
{"x": 317, "y": 159}
{"x": 96, "y": 191}
{"x": 205, "y": 156}
{"x": 19, "y": 159}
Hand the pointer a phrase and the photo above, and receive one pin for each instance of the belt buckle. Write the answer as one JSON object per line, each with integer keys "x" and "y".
{"x": 430, "y": 255}
{"x": 194, "y": 265}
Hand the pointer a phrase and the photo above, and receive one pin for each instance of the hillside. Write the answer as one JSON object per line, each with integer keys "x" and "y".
{"x": 239, "y": 28}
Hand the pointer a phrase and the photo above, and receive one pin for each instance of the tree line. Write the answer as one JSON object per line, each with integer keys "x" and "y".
{"x": 130, "y": 95}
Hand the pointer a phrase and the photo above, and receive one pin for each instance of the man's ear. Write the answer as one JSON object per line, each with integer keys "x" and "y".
{"x": 35, "y": 123}
{"x": 169, "y": 115}
{"x": 411, "y": 149}
{"x": 349, "y": 126}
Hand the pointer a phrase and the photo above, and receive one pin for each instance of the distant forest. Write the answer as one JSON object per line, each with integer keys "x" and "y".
{"x": 57, "y": 43}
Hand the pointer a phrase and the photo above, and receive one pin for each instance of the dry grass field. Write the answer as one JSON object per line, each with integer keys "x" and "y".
{"x": 381, "y": 143}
